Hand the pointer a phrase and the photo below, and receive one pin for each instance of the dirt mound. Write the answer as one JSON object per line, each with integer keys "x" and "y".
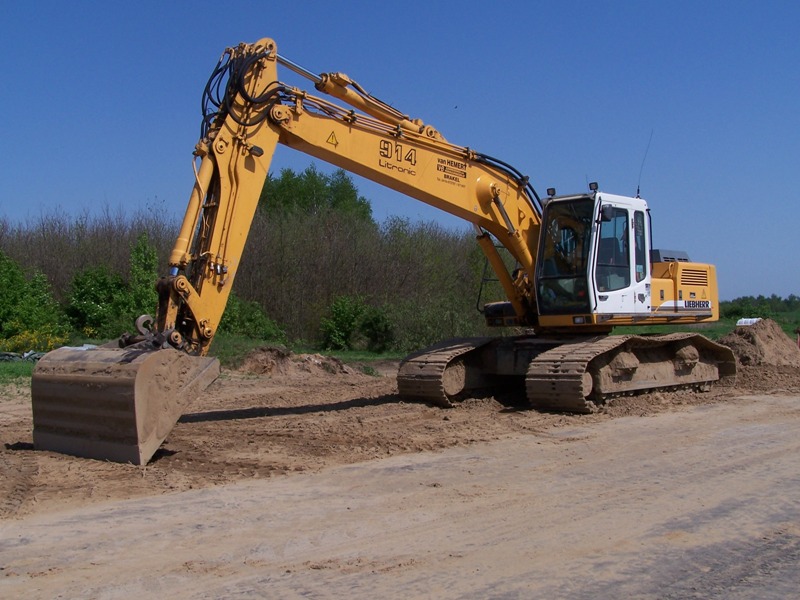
{"x": 763, "y": 343}
{"x": 768, "y": 379}
{"x": 270, "y": 360}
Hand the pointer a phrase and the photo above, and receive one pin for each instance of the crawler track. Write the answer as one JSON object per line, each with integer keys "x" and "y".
{"x": 576, "y": 376}
{"x": 558, "y": 379}
{"x": 437, "y": 374}
{"x": 580, "y": 377}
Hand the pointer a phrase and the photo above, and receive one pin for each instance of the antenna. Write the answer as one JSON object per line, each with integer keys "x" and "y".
{"x": 639, "y": 183}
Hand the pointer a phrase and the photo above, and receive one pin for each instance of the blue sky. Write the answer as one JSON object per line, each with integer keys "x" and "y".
{"x": 102, "y": 105}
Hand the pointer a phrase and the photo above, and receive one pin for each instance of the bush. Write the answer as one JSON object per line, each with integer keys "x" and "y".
{"x": 351, "y": 321}
{"x": 102, "y": 305}
{"x": 142, "y": 295}
{"x": 249, "y": 319}
{"x": 30, "y": 319}
{"x": 341, "y": 324}
{"x": 313, "y": 240}
{"x": 43, "y": 339}
{"x": 98, "y": 303}
{"x": 12, "y": 291}
{"x": 377, "y": 328}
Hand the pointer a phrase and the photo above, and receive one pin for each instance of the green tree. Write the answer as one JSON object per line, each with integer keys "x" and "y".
{"x": 143, "y": 297}
{"x": 99, "y": 304}
{"x": 311, "y": 192}
{"x": 12, "y": 290}
{"x": 377, "y": 328}
{"x": 30, "y": 318}
{"x": 340, "y": 326}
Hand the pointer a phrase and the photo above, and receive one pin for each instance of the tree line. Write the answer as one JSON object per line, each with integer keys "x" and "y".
{"x": 318, "y": 270}
{"x": 766, "y": 307}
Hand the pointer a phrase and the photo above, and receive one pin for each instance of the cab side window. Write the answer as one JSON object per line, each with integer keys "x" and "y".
{"x": 640, "y": 246}
{"x": 613, "y": 255}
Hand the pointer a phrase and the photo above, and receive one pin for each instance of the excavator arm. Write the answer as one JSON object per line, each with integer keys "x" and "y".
{"x": 255, "y": 113}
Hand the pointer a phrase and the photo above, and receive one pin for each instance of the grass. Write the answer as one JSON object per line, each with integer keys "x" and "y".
{"x": 362, "y": 356}
{"x": 231, "y": 349}
{"x": 789, "y": 322}
{"x": 713, "y": 331}
{"x": 12, "y": 371}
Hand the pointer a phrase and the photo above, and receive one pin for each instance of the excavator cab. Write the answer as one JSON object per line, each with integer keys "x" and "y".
{"x": 594, "y": 268}
{"x": 593, "y": 259}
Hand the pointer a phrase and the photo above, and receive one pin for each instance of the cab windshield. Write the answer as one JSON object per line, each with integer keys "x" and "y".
{"x": 564, "y": 257}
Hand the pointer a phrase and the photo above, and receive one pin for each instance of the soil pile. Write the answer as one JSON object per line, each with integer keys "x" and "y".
{"x": 769, "y": 361}
{"x": 271, "y": 360}
{"x": 763, "y": 343}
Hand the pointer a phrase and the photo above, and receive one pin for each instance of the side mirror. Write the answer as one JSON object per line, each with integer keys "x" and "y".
{"x": 606, "y": 212}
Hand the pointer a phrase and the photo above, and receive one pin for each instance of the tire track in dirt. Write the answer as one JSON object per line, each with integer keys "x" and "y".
{"x": 19, "y": 467}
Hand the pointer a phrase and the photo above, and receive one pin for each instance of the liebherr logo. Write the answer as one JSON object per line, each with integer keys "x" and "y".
{"x": 697, "y": 304}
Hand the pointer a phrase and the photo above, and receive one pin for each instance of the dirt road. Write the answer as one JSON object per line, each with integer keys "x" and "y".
{"x": 703, "y": 501}
{"x": 311, "y": 480}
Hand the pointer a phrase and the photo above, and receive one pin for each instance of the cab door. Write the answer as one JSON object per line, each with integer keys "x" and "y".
{"x": 622, "y": 258}
{"x": 613, "y": 268}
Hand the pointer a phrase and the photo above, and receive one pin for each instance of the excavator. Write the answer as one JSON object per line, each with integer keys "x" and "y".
{"x": 572, "y": 267}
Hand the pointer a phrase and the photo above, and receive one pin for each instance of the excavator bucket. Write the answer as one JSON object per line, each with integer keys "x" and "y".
{"x": 116, "y": 404}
